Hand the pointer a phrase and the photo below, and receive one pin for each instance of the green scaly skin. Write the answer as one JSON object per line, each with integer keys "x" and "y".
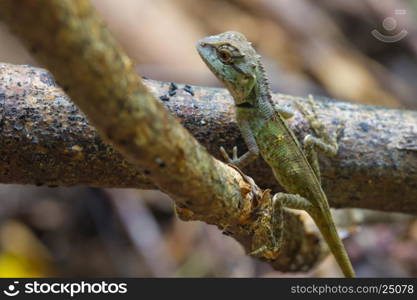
{"x": 234, "y": 62}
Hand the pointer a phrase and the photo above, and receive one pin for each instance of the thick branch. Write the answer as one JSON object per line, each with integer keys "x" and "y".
{"x": 46, "y": 140}
{"x": 68, "y": 37}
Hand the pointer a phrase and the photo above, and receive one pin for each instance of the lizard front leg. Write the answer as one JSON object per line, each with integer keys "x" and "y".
{"x": 250, "y": 142}
{"x": 326, "y": 142}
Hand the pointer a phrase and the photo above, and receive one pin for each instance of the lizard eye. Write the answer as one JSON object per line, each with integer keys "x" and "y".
{"x": 225, "y": 55}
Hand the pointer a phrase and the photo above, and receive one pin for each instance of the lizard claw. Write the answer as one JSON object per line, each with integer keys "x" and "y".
{"x": 235, "y": 158}
{"x": 226, "y": 156}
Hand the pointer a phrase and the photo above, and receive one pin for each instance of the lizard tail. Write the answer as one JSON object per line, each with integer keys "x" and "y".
{"x": 329, "y": 232}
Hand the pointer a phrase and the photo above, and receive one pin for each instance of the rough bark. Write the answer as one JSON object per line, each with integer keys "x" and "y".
{"x": 46, "y": 140}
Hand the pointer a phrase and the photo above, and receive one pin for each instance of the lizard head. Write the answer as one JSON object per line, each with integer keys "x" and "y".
{"x": 233, "y": 60}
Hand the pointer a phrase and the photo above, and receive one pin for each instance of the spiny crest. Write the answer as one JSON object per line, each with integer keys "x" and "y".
{"x": 264, "y": 81}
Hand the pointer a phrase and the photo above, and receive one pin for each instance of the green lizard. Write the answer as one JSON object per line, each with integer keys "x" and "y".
{"x": 236, "y": 64}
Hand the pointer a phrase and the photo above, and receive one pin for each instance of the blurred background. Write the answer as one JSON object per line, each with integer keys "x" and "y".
{"x": 362, "y": 51}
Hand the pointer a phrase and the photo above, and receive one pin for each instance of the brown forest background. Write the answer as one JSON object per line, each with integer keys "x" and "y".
{"x": 321, "y": 47}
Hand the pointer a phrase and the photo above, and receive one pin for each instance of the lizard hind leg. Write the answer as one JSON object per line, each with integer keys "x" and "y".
{"x": 293, "y": 201}
{"x": 274, "y": 237}
{"x": 272, "y": 240}
{"x": 271, "y": 235}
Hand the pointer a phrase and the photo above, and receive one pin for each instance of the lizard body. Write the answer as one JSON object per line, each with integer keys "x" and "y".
{"x": 263, "y": 127}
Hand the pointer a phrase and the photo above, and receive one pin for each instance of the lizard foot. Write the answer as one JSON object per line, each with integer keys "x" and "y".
{"x": 234, "y": 160}
{"x": 271, "y": 231}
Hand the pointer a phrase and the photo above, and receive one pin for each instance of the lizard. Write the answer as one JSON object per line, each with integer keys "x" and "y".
{"x": 263, "y": 126}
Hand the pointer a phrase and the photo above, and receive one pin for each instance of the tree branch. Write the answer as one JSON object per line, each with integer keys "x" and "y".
{"x": 68, "y": 37}
{"x": 46, "y": 140}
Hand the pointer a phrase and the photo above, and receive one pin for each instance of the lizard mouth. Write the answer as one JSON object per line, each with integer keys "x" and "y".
{"x": 208, "y": 55}
{"x": 204, "y": 49}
